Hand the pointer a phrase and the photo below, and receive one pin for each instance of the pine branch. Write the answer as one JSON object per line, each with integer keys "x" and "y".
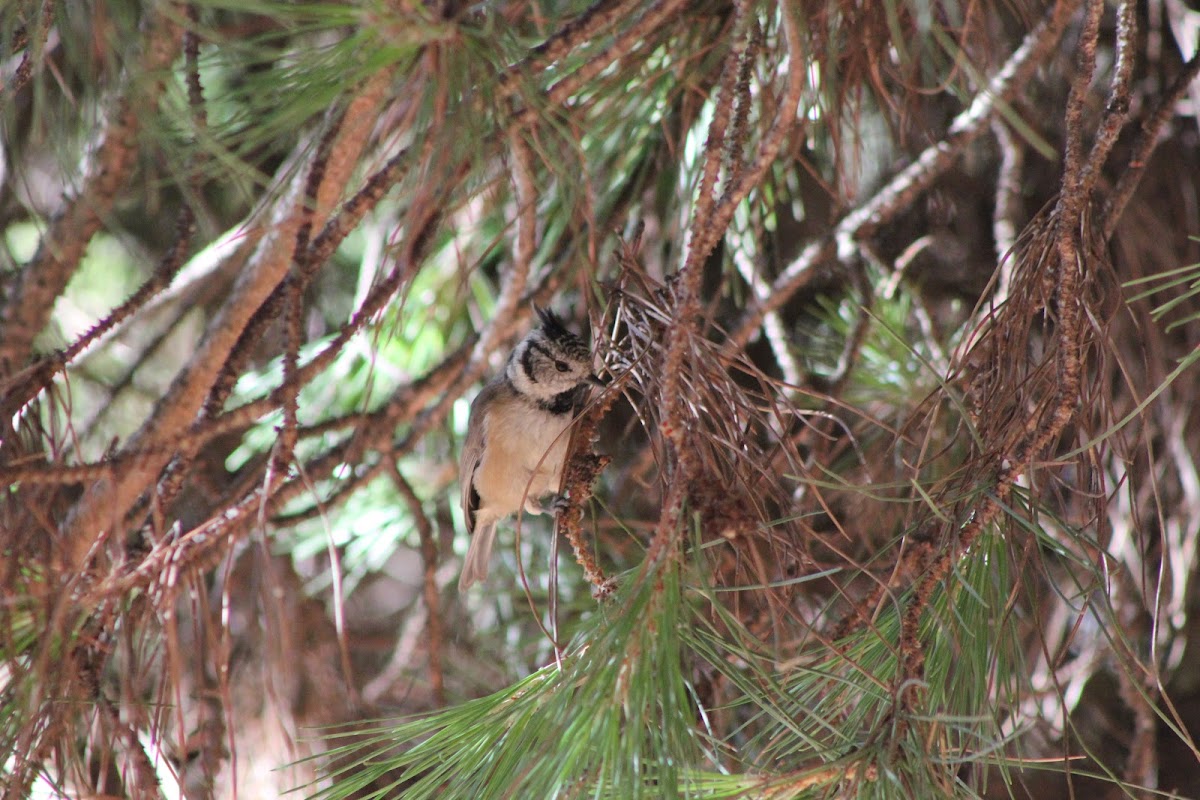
{"x": 44, "y": 278}
{"x": 107, "y": 501}
{"x": 909, "y": 183}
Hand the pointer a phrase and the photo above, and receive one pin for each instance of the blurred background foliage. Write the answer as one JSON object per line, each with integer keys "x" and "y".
{"x": 897, "y": 302}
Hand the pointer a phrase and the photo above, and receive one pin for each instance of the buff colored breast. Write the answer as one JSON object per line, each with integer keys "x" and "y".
{"x": 517, "y": 439}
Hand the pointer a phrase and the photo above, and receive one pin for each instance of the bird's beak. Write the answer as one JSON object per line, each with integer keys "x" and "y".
{"x": 597, "y": 381}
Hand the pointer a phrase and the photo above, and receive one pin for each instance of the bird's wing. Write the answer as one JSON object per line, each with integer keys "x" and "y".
{"x": 472, "y": 453}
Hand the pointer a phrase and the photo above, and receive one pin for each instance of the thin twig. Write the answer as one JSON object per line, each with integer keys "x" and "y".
{"x": 1147, "y": 141}
{"x": 575, "y": 33}
{"x": 631, "y": 37}
{"x": 34, "y": 47}
{"x": 1008, "y": 203}
{"x": 583, "y": 467}
{"x": 1073, "y": 163}
{"x": 703, "y": 234}
{"x": 786, "y": 119}
{"x": 1117, "y": 111}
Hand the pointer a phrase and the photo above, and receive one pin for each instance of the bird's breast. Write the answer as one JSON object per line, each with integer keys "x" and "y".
{"x": 522, "y": 458}
{"x": 525, "y": 434}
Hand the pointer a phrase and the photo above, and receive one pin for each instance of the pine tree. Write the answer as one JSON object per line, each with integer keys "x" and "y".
{"x": 892, "y": 491}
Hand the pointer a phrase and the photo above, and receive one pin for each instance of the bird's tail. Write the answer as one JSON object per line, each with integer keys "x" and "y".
{"x": 479, "y": 555}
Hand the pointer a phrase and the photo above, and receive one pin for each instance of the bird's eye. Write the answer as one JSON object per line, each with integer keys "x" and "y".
{"x": 562, "y": 366}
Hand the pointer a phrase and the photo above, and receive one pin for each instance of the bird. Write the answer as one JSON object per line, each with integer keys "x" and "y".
{"x": 517, "y": 434}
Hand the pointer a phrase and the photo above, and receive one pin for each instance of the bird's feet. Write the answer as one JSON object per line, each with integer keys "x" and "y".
{"x": 557, "y": 503}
